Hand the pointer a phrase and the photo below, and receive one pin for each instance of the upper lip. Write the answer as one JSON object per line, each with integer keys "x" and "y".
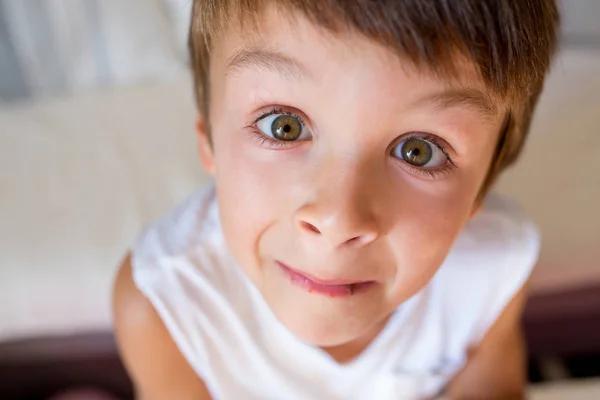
{"x": 324, "y": 282}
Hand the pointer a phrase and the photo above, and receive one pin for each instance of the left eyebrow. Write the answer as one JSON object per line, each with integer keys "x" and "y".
{"x": 261, "y": 59}
{"x": 471, "y": 99}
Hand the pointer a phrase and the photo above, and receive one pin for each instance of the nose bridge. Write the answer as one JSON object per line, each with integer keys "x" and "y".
{"x": 340, "y": 204}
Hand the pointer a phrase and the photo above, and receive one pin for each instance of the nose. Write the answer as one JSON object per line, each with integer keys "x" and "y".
{"x": 339, "y": 211}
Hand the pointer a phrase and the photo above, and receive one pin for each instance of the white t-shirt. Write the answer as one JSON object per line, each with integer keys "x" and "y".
{"x": 229, "y": 336}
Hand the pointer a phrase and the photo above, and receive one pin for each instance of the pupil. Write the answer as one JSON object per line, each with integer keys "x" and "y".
{"x": 415, "y": 152}
{"x": 287, "y": 128}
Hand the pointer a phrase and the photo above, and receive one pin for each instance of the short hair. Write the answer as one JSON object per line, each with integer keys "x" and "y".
{"x": 510, "y": 42}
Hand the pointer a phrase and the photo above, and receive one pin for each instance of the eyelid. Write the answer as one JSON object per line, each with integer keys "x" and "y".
{"x": 429, "y": 173}
{"x": 284, "y": 111}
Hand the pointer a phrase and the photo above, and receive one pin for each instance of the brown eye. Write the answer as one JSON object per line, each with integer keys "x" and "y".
{"x": 420, "y": 153}
{"x": 283, "y": 127}
{"x": 416, "y": 152}
{"x": 286, "y": 127}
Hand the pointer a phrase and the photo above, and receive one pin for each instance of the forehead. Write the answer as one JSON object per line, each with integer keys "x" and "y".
{"x": 284, "y": 42}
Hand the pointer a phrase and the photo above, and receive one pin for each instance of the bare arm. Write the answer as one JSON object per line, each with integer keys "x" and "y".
{"x": 496, "y": 368}
{"x": 156, "y": 366}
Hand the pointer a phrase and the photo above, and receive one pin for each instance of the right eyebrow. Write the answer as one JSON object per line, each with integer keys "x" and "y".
{"x": 263, "y": 59}
{"x": 468, "y": 98}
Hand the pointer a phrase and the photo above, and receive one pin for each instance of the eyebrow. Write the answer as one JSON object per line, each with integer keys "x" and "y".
{"x": 264, "y": 59}
{"x": 466, "y": 98}
{"x": 275, "y": 61}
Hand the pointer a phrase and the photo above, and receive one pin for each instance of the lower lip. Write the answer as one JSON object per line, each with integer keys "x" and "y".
{"x": 331, "y": 290}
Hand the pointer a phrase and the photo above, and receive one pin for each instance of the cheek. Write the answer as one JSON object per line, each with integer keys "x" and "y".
{"x": 430, "y": 217}
{"x": 424, "y": 230}
{"x": 249, "y": 202}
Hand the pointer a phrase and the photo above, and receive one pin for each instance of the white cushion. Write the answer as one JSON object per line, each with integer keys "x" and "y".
{"x": 79, "y": 178}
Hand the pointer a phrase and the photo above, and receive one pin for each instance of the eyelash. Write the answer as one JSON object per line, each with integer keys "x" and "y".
{"x": 265, "y": 141}
{"x": 430, "y": 173}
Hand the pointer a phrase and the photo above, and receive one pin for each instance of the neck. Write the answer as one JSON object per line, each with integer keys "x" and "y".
{"x": 347, "y": 352}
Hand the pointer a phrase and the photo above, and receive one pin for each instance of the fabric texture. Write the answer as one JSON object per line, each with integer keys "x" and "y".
{"x": 228, "y": 334}
{"x": 53, "y": 47}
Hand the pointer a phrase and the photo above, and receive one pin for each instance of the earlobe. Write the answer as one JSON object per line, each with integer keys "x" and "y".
{"x": 205, "y": 146}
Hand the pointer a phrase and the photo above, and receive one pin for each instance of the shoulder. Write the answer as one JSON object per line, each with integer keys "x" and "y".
{"x": 181, "y": 228}
{"x": 488, "y": 267}
{"x": 501, "y": 229}
{"x": 513, "y": 226}
{"x": 174, "y": 293}
{"x": 148, "y": 351}
{"x": 500, "y": 239}
{"x": 185, "y": 242}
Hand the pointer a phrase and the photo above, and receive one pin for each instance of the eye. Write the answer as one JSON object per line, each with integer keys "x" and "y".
{"x": 284, "y": 127}
{"x": 421, "y": 153}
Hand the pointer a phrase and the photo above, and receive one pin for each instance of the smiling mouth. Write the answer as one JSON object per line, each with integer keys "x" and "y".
{"x": 331, "y": 288}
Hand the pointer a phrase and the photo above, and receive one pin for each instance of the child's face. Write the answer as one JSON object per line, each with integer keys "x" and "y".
{"x": 357, "y": 209}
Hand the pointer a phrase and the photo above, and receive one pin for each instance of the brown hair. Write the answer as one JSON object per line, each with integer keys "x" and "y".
{"x": 511, "y": 42}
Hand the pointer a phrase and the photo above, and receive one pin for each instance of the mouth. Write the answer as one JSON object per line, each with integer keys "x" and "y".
{"x": 331, "y": 288}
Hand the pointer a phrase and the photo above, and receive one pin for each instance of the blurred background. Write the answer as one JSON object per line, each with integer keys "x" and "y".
{"x": 97, "y": 140}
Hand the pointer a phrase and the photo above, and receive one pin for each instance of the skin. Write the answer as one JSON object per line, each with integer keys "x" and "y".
{"x": 338, "y": 203}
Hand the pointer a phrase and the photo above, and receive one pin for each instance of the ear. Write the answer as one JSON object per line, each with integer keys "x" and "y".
{"x": 205, "y": 146}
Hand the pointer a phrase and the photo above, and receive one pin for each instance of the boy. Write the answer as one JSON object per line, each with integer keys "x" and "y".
{"x": 347, "y": 249}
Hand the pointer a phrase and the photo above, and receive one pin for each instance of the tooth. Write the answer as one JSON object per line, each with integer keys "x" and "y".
{"x": 351, "y": 288}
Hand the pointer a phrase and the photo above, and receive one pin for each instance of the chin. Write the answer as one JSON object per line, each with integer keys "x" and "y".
{"x": 320, "y": 335}
{"x": 320, "y": 329}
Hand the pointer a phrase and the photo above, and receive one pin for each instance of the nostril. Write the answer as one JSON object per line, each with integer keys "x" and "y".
{"x": 361, "y": 240}
{"x": 310, "y": 227}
